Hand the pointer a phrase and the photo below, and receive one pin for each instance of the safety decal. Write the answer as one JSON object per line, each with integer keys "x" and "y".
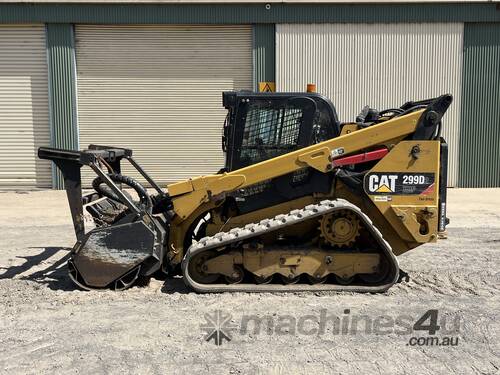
{"x": 399, "y": 183}
{"x": 267, "y": 86}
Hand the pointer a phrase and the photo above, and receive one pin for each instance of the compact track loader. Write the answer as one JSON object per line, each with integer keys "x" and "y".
{"x": 303, "y": 203}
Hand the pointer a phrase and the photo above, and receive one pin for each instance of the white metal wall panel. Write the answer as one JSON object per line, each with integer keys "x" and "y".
{"x": 24, "y": 108}
{"x": 381, "y": 65}
{"x": 158, "y": 90}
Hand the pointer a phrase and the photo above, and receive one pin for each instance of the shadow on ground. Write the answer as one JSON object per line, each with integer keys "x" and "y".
{"x": 174, "y": 285}
{"x": 54, "y": 276}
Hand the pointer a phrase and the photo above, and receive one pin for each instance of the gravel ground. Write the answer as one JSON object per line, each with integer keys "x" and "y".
{"x": 47, "y": 326}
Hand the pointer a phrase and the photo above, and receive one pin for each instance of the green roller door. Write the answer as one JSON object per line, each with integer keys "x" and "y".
{"x": 480, "y": 128}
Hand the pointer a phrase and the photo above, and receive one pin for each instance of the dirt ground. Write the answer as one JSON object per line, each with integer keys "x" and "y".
{"x": 48, "y": 326}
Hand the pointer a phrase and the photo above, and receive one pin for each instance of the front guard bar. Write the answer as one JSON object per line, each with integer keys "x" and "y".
{"x": 70, "y": 163}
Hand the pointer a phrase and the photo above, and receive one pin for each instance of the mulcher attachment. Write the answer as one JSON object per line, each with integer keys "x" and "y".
{"x": 128, "y": 241}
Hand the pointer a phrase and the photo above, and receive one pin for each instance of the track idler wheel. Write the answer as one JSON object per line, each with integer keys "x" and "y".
{"x": 197, "y": 268}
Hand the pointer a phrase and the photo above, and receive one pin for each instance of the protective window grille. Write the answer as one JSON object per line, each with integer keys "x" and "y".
{"x": 269, "y": 132}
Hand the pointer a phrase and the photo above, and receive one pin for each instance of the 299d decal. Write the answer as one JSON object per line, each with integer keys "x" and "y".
{"x": 399, "y": 183}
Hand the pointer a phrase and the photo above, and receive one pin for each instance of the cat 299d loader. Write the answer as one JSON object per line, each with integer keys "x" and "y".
{"x": 303, "y": 203}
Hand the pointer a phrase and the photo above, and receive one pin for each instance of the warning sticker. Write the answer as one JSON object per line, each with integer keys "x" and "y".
{"x": 378, "y": 183}
{"x": 267, "y": 86}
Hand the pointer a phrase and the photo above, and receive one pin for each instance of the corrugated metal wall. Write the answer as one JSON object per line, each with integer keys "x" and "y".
{"x": 480, "y": 132}
{"x": 381, "y": 65}
{"x": 24, "y": 107}
{"x": 264, "y": 52}
{"x": 158, "y": 90}
{"x": 61, "y": 60}
{"x": 249, "y": 13}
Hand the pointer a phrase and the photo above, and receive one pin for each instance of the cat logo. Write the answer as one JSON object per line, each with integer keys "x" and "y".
{"x": 385, "y": 183}
{"x": 399, "y": 183}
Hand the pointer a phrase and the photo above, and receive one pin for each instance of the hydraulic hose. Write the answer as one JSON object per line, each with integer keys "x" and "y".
{"x": 100, "y": 186}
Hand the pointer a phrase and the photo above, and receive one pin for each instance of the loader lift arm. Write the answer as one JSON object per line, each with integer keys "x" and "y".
{"x": 188, "y": 195}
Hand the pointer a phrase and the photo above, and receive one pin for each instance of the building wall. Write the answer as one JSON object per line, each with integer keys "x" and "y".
{"x": 478, "y": 156}
{"x": 381, "y": 65}
{"x": 24, "y": 107}
{"x": 157, "y": 89}
{"x": 62, "y": 84}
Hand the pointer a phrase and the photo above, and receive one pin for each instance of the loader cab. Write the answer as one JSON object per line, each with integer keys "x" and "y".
{"x": 261, "y": 126}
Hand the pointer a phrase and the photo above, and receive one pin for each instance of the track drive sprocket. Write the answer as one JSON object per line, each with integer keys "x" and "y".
{"x": 340, "y": 228}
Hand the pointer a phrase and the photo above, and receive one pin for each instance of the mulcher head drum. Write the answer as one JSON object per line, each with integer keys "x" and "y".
{"x": 107, "y": 254}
